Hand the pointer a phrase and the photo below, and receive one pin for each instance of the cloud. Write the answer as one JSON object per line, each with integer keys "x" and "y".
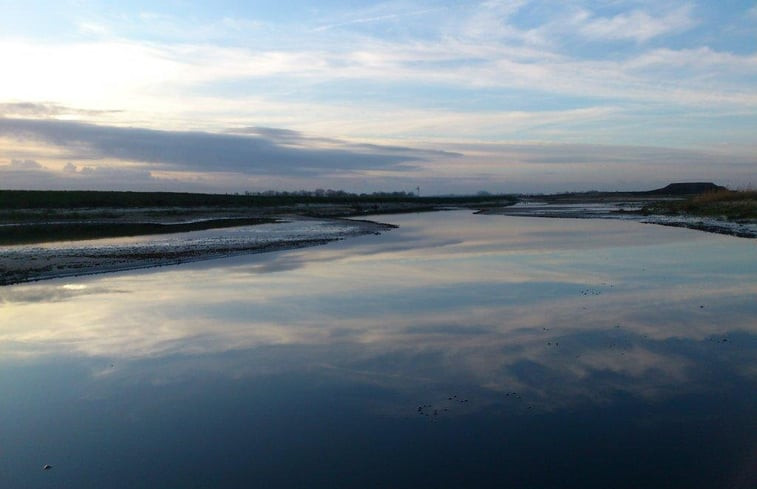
{"x": 392, "y": 73}
{"x": 29, "y": 174}
{"x": 637, "y": 25}
{"x": 262, "y": 151}
{"x": 310, "y": 79}
{"x": 372, "y": 16}
{"x": 599, "y": 154}
{"x": 42, "y": 109}
{"x": 703, "y": 59}
{"x": 24, "y": 165}
{"x": 288, "y": 137}
{"x": 109, "y": 176}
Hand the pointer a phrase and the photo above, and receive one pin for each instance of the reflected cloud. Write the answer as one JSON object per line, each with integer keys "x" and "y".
{"x": 498, "y": 304}
{"x": 45, "y": 293}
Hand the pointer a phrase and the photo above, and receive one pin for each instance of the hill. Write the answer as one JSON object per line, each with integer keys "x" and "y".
{"x": 686, "y": 188}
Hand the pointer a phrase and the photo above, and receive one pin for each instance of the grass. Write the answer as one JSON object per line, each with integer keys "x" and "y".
{"x": 40, "y": 216}
{"x": 50, "y": 199}
{"x": 43, "y": 232}
{"x": 729, "y": 204}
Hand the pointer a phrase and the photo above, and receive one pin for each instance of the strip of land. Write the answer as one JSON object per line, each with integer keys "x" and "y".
{"x": 700, "y": 206}
{"x": 57, "y": 234}
{"x": 25, "y": 263}
{"x": 49, "y": 234}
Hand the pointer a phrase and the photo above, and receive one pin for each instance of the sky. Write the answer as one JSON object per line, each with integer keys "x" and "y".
{"x": 448, "y": 96}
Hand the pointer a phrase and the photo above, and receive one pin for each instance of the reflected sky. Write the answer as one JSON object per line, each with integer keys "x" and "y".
{"x": 413, "y": 341}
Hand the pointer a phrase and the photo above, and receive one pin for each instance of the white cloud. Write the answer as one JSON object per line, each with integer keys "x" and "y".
{"x": 24, "y": 165}
{"x": 636, "y": 25}
{"x": 541, "y": 64}
{"x": 491, "y": 20}
{"x": 166, "y": 81}
{"x": 702, "y": 58}
{"x": 377, "y": 13}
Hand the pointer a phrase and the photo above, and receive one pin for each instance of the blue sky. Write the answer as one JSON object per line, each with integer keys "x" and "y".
{"x": 450, "y": 96}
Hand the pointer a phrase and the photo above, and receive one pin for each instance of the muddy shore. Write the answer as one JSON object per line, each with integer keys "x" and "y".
{"x": 49, "y": 234}
{"x": 628, "y": 210}
{"x": 25, "y": 263}
{"x": 38, "y": 244}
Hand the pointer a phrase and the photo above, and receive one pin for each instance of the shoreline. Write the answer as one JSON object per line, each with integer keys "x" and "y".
{"x": 29, "y": 263}
{"x": 210, "y": 237}
{"x": 627, "y": 211}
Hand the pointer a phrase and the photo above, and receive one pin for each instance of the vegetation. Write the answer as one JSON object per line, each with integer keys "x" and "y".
{"x": 39, "y": 216}
{"x": 48, "y": 232}
{"x": 729, "y": 204}
{"x": 49, "y": 199}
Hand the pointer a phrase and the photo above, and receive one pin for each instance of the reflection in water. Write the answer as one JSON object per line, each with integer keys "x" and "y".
{"x": 548, "y": 353}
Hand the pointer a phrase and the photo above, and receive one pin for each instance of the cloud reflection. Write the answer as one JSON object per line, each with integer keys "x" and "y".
{"x": 498, "y": 304}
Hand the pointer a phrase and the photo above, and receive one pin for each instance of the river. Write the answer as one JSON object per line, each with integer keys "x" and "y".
{"x": 458, "y": 350}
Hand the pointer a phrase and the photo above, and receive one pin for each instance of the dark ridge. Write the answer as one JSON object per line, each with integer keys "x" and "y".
{"x": 72, "y": 199}
{"x": 49, "y": 232}
{"x": 686, "y": 188}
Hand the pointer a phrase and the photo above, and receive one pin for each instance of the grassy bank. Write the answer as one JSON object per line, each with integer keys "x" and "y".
{"x": 43, "y": 216}
{"x": 729, "y": 204}
{"x": 49, "y": 199}
{"x": 74, "y": 231}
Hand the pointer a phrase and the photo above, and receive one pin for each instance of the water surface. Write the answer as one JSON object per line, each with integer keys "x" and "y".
{"x": 456, "y": 351}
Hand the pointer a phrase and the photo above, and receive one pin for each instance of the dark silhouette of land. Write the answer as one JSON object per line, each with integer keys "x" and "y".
{"x": 671, "y": 191}
{"x": 31, "y": 216}
{"x": 687, "y": 188}
{"x": 28, "y": 216}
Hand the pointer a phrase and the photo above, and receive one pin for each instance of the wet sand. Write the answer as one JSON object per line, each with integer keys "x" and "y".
{"x": 25, "y": 263}
{"x": 629, "y": 211}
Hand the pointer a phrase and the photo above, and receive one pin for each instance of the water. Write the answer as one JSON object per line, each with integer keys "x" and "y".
{"x": 456, "y": 351}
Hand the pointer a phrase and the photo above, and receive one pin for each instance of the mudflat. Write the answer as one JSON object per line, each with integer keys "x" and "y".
{"x": 56, "y": 258}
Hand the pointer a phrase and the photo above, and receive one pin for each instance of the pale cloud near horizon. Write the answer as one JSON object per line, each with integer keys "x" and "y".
{"x": 94, "y": 157}
{"x": 426, "y": 75}
{"x": 260, "y": 151}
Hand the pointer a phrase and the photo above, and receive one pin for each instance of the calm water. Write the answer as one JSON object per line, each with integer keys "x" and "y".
{"x": 456, "y": 351}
